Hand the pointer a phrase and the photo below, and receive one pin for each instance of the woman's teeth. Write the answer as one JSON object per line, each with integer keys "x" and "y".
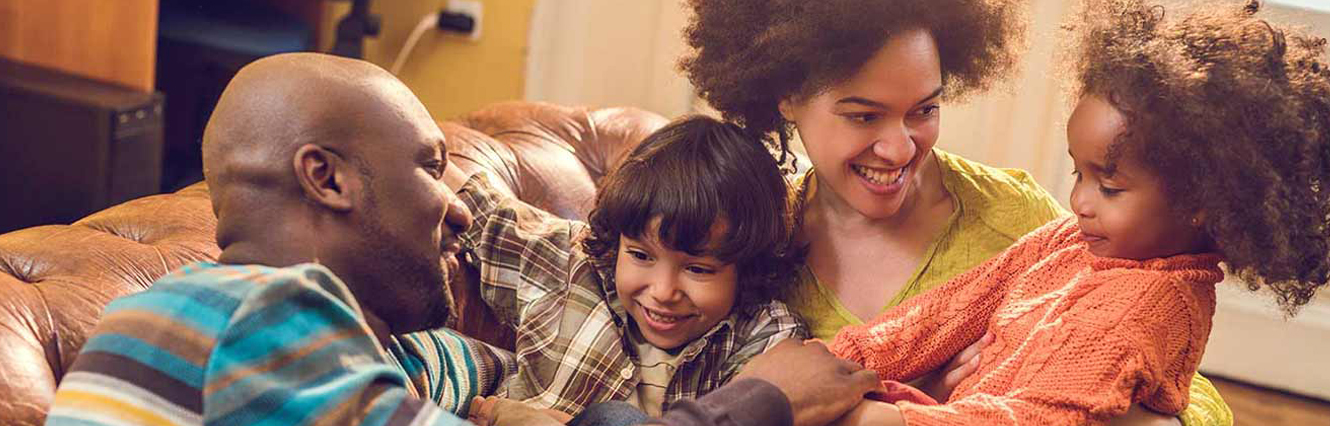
{"x": 880, "y": 177}
{"x": 662, "y": 318}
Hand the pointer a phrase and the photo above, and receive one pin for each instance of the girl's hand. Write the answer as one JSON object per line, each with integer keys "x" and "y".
{"x": 941, "y": 383}
{"x": 1141, "y": 416}
{"x": 871, "y": 413}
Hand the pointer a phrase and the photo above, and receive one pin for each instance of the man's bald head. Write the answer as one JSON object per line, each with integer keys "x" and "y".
{"x": 279, "y": 103}
{"x": 316, "y": 158}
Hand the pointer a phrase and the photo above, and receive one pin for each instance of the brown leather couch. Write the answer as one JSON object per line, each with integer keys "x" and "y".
{"x": 55, "y": 280}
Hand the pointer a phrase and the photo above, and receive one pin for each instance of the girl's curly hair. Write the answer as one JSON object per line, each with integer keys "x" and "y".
{"x": 1232, "y": 113}
{"x": 689, "y": 175}
{"x": 748, "y": 55}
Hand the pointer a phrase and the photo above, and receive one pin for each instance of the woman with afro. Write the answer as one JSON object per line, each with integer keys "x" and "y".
{"x": 886, "y": 215}
{"x": 1198, "y": 139}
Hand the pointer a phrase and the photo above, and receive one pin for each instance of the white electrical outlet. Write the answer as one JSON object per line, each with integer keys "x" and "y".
{"x": 474, "y": 8}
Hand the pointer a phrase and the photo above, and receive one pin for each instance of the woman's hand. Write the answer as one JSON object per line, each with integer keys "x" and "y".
{"x": 1141, "y": 416}
{"x": 939, "y": 384}
{"x": 495, "y": 411}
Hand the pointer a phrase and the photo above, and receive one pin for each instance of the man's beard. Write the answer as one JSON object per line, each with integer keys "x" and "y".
{"x": 424, "y": 278}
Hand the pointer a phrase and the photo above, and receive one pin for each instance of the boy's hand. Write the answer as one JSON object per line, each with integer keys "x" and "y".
{"x": 819, "y": 386}
{"x": 941, "y": 383}
{"x": 560, "y": 416}
{"x": 495, "y": 411}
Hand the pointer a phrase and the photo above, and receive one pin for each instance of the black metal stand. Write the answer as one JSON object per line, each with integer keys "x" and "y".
{"x": 353, "y": 28}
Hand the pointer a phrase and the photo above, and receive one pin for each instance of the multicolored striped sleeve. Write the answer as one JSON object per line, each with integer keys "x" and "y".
{"x": 230, "y": 347}
{"x": 451, "y": 368}
{"x": 144, "y": 363}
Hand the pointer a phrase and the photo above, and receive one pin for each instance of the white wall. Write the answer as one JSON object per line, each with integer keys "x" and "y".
{"x": 608, "y": 53}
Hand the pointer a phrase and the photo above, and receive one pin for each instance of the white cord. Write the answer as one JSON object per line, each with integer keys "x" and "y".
{"x": 426, "y": 23}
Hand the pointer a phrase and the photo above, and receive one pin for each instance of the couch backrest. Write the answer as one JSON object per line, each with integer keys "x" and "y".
{"x": 55, "y": 280}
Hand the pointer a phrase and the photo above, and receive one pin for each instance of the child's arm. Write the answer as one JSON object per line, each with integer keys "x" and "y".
{"x": 772, "y": 324}
{"x": 522, "y": 252}
{"x": 924, "y": 332}
{"x": 1090, "y": 366}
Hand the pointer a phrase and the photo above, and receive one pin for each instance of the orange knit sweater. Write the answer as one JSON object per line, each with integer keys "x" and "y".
{"x": 1078, "y": 338}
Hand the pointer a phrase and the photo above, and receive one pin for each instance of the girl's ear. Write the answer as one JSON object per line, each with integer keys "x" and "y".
{"x": 786, "y": 108}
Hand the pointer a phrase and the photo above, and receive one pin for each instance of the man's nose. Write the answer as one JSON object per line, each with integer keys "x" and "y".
{"x": 458, "y": 217}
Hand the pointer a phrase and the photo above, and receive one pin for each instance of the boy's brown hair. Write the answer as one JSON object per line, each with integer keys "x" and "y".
{"x": 690, "y": 174}
{"x": 1232, "y": 113}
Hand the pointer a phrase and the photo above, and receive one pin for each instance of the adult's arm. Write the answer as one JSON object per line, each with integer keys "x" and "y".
{"x": 743, "y": 402}
{"x": 290, "y": 351}
{"x": 451, "y": 368}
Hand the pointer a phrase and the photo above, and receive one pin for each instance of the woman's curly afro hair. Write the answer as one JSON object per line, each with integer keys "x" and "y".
{"x": 748, "y": 55}
{"x": 1232, "y": 113}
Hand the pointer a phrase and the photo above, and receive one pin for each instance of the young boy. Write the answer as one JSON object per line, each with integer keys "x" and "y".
{"x": 664, "y": 295}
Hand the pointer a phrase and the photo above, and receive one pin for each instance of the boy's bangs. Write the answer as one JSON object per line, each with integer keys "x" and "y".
{"x": 689, "y": 199}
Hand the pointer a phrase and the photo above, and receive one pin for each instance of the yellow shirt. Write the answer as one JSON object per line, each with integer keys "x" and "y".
{"x": 993, "y": 208}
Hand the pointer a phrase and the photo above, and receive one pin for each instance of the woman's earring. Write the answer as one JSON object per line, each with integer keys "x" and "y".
{"x": 1196, "y": 222}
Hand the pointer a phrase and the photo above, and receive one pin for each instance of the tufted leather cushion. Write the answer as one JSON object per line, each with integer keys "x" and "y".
{"x": 55, "y": 280}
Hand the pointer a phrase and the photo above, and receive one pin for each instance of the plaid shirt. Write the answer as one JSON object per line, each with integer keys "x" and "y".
{"x": 572, "y": 346}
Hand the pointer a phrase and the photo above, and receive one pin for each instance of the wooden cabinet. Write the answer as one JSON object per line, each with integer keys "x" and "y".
{"x": 107, "y": 40}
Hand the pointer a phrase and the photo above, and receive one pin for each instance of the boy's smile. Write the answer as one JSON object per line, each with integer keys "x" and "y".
{"x": 673, "y": 297}
{"x": 662, "y": 320}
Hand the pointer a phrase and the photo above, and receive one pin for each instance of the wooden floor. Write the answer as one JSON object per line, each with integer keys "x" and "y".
{"x": 1254, "y": 406}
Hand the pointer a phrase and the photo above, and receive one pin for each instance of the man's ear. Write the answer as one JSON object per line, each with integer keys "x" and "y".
{"x": 323, "y": 177}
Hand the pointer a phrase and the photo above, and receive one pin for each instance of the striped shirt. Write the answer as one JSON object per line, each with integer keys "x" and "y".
{"x": 572, "y": 346}
{"x": 255, "y": 345}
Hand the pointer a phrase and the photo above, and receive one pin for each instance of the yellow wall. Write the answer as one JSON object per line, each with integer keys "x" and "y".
{"x": 451, "y": 74}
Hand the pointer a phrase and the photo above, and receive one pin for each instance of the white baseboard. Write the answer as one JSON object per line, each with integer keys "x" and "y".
{"x": 1252, "y": 342}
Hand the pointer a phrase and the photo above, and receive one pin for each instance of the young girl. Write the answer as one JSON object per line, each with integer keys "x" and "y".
{"x": 664, "y": 295}
{"x": 1195, "y": 141}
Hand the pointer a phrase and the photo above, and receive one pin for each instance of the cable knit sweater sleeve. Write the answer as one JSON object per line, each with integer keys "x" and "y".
{"x": 1089, "y": 369}
{"x": 1120, "y": 335}
{"x": 924, "y": 332}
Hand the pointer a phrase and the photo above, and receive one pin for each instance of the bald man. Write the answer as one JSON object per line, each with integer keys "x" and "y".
{"x": 323, "y": 174}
